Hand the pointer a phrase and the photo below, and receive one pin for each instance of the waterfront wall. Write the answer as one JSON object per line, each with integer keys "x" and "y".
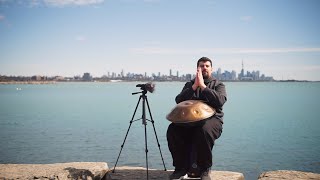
{"x": 101, "y": 171}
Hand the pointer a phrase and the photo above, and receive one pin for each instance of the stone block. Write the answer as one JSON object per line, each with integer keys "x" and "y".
{"x": 289, "y": 175}
{"x": 61, "y": 171}
{"x": 135, "y": 173}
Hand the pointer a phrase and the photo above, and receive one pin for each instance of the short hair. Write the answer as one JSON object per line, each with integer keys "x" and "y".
{"x": 204, "y": 59}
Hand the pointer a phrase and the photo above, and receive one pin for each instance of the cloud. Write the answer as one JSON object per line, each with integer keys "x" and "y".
{"x": 156, "y": 50}
{"x": 2, "y": 17}
{"x": 3, "y": 1}
{"x": 159, "y": 50}
{"x": 151, "y": 1}
{"x": 4, "y": 21}
{"x": 246, "y": 18}
{"x": 71, "y": 2}
{"x": 311, "y": 68}
{"x": 54, "y": 3}
{"x": 267, "y": 50}
{"x": 80, "y": 38}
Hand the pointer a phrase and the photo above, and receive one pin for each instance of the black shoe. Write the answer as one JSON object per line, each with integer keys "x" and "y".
{"x": 194, "y": 172}
{"x": 205, "y": 175}
{"x": 178, "y": 174}
{"x": 194, "y": 175}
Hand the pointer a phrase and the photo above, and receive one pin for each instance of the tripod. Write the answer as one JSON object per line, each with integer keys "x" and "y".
{"x": 144, "y": 122}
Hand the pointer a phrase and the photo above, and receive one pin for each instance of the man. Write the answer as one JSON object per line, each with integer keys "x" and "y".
{"x": 191, "y": 144}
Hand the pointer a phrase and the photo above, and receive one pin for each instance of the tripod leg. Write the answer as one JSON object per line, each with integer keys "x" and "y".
{"x": 146, "y": 148}
{"x": 154, "y": 129}
{"x": 126, "y": 134}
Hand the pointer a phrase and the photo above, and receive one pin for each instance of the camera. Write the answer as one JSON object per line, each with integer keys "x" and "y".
{"x": 147, "y": 87}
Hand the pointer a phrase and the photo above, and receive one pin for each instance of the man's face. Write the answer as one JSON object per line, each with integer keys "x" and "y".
{"x": 206, "y": 69}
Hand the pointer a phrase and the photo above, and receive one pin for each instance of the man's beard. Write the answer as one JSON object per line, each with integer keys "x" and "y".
{"x": 205, "y": 75}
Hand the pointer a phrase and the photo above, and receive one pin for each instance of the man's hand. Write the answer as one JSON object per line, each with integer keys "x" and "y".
{"x": 199, "y": 82}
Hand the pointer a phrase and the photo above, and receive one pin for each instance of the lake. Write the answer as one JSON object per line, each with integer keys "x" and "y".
{"x": 267, "y": 125}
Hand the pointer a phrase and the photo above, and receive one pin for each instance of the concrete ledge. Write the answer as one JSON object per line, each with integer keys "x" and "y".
{"x": 290, "y": 175}
{"x": 100, "y": 171}
{"x": 135, "y": 173}
{"x": 61, "y": 171}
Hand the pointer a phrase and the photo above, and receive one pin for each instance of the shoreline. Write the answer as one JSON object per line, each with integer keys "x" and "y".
{"x": 55, "y": 82}
{"x": 28, "y": 82}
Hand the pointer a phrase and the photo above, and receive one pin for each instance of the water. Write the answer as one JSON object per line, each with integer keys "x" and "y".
{"x": 268, "y": 125}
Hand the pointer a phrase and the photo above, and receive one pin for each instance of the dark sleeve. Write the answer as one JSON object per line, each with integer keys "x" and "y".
{"x": 216, "y": 97}
{"x": 186, "y": 93}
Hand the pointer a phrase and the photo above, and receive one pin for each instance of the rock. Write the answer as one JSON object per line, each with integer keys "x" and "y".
{"x": 92, "y": 171}
{"x": 61, "y": 171}
{"x": 290, "y": 175}
{"x": 132, "y": 173}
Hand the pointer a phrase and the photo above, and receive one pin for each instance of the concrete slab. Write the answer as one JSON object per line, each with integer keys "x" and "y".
{"x": 135, "y": 173}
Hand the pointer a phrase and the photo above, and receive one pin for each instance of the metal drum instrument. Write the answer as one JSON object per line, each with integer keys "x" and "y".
{"x": 190, "y": 111}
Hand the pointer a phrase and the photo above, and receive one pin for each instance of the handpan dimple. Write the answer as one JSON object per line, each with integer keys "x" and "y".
{"x": 190, "y": 111}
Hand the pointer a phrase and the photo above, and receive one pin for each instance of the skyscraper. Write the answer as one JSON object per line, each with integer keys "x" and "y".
{"x": 242, "y": 70}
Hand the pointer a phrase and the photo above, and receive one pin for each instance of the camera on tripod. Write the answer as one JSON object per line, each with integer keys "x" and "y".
{"x": 147, "y": 87}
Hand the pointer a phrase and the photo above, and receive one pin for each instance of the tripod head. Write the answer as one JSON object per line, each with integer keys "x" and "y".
{"x": 148, "y": 87}
{"x": 142, "y": 92}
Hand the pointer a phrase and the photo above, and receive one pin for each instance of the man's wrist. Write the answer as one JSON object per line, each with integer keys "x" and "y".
{"x": 202, "y": 87}
{"x": 194, "y": 87}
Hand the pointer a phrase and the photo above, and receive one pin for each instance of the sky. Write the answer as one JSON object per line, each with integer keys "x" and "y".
{"x": 280, "y": 38}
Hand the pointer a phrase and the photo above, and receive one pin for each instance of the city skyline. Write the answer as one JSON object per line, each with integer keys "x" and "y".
{"x": 172, "y": 75}
{"x": 67, "y": 38}
{"x": 168, "y": 72}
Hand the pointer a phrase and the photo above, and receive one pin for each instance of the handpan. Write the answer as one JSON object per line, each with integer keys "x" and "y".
{"x": 190, "y": 111}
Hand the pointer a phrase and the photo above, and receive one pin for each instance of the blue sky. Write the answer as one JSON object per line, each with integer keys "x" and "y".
{"x": 281, "y": 38}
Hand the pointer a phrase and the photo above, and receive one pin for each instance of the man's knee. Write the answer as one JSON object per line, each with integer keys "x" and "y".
{"x": 170, "y": 130}
{"x": 213, "y": 127}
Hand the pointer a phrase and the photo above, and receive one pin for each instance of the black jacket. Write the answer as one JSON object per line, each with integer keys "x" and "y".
{"x": 214, "y": 95}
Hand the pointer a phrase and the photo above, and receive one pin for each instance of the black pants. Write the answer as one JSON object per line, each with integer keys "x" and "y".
{"x": 190, "y": 144}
